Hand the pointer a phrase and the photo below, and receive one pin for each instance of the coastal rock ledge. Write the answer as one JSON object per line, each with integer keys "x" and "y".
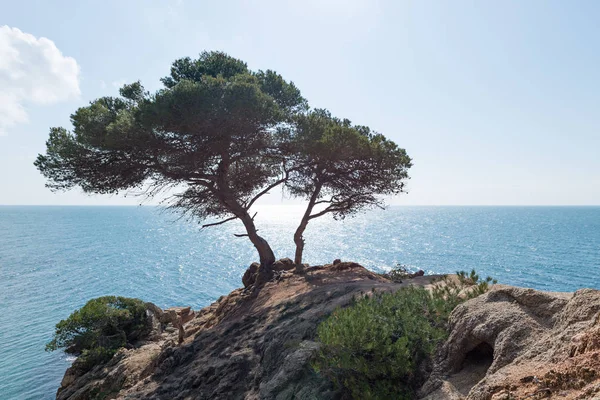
{"x": 510, "y": 343}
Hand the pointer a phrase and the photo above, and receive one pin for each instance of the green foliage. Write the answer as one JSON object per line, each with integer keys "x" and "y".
{"x": 98, "y": 329}
{"x": 343, "y": 166}
{"x": 208, "y": 135}
{"x": 215, "y": 63}
{"x": 339, "y": 168}
{"x": 374, "y": 347}
{"x": 379, "y": 347}
{"x": 448, "y": 293}
{"x": 218, "y": 136}
{"x": 472, "y": 279}
{"x": 397, "y": 274}
{"x": 213, "y": 111}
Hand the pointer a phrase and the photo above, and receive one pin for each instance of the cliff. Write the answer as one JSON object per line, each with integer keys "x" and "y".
{"x": 506, "y": 344}
{"x": 515, "y": 343}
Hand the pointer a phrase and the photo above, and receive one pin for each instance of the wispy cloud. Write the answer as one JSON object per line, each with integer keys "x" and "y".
{"x": 32, "y": 71}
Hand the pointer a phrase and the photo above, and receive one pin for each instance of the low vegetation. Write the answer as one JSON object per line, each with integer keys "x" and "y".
{"x": 397, "y": 274}
{"x": 380, "y": 347}
{"x": 102, "y": 326}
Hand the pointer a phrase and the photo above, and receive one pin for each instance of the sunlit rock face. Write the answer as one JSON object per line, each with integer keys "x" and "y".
{"x": 515, "y": 343}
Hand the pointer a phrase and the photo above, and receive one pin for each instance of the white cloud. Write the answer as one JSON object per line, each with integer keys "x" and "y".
{"x": 32, "y": 71}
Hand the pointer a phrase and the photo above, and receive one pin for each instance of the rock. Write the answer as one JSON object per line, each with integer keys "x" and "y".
{"x": 132, "y": 364}
{"x": 290, "y": 371}
{"x": 446, "y": 392}
{"x": 250, "y": 275}
{"x": 178, "y": 316}
{"x": 514, "y": 342}
{"x": 342, "y": 266}
{"x": 285, "y": 264}
{"x": 123, "y": 371}
{"x": 337, "y": 261}
{"x": 69, "y": 377}
{"x": 186, "y": 314}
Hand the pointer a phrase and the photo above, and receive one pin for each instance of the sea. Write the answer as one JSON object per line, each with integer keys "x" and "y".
{"x": 54, "y": 259}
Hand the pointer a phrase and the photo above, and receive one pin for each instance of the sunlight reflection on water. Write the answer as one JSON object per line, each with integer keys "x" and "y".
{"x": 54, "y": 259}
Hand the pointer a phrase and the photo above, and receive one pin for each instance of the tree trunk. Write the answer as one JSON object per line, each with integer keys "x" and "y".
{"x": 298, "y": 238}
{"x": 266, "y": 255}
{"x": 223, "y": 193}
{"x": 299, "y": 241}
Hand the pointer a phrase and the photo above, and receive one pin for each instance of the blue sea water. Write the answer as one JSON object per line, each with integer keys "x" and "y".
{"x": 54, "y": 259}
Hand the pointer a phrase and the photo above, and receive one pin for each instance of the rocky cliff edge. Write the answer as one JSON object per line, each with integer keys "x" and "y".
{"x": 510, "y": 343}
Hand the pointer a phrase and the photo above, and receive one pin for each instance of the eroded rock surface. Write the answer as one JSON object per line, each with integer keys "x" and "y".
{"x": 515, "y": 343}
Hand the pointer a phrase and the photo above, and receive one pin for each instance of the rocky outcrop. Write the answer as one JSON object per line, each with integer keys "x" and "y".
{"x": 515, "y": 343}
{"x": 510, "y": 343}
{"x": 247, "y": 345}
{"x": 249, "y": 277}
{"x": 128, "y": 366}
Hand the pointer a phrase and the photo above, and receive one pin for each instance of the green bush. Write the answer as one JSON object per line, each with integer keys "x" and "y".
{"x": 380, "y": 346}
{"x": 397, "y": 274}
{"x": 102, "y": 326}
{"x": 448, "y": 293}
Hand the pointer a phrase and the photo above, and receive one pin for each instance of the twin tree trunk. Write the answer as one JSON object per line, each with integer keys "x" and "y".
{"x": 265, "y": 253}
{"x": 298, "y": 238}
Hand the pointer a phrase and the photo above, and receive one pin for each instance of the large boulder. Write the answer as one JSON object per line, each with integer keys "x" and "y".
{"x": 521, "y": 343}
{"x": 285, "y": 264}
{"x": 250, "y": 275}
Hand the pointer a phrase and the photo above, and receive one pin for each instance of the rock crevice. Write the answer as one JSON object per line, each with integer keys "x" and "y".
{"x": 537, "y": 345}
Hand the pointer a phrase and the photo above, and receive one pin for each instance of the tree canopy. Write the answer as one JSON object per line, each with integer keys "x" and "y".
{"x": 218, "y": 136}
{"x": 340, "y": 168}
{"x": 209, "y": 131}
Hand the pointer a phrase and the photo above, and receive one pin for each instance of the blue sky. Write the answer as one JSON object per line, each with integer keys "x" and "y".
{"x": 496, "y": 102}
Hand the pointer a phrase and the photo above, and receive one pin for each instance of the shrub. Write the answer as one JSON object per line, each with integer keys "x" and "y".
{"x": 380, "y": 346}
{"x": 448, "y": 293}
{"x": 397, "y": 274}
{"x": 97, "y": 330}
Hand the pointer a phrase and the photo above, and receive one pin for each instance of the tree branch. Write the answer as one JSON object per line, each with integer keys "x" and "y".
{"x": 271, "y": 186}
{"x": 329, "y": 209}
{"x": 219, "y": 223}
{"x": 325, "y": 201}
{"x": 342, "y": 205}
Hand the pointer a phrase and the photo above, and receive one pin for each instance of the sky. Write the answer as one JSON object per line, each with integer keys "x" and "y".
{"x": 498, "y": 103}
